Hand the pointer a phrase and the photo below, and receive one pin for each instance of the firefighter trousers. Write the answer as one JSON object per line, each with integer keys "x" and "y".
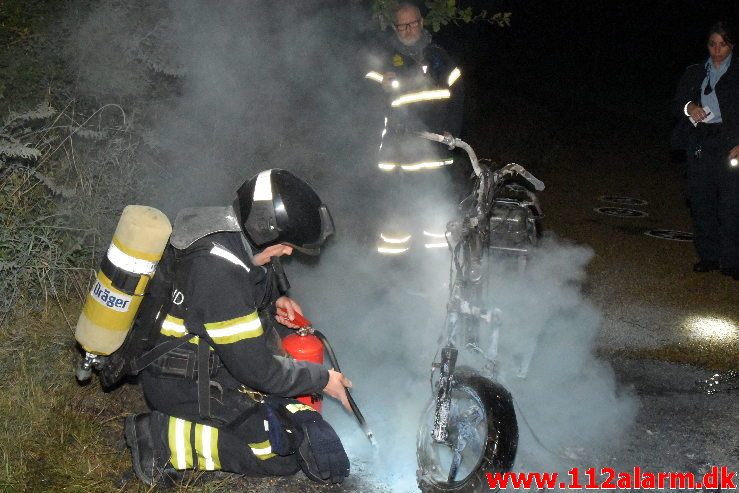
{"x": 242, "y": 447}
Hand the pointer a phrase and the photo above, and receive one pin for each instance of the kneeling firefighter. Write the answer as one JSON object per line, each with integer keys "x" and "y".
{"x": 218, "y": 385}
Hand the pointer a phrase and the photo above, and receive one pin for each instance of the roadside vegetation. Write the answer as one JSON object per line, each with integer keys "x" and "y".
{"x": 68, "y": 163}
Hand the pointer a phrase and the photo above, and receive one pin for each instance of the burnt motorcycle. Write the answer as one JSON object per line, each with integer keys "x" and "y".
{"x": 469, "y": 428}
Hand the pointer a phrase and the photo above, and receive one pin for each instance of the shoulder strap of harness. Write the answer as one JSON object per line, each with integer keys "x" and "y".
{"x": 203, "y": 379}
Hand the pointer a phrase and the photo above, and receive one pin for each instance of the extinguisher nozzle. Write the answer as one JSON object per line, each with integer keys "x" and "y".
{"x": 352, "y": 404}
{"x": 360, "y": 419}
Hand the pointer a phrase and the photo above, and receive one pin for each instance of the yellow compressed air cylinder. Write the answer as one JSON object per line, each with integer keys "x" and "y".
{"x": 138, "y": 243}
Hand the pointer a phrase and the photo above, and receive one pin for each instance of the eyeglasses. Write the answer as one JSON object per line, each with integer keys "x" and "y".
{"x": 410, "y": 25}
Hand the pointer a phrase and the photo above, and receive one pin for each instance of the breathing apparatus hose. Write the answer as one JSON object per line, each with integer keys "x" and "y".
{"x": 352, "y": 404}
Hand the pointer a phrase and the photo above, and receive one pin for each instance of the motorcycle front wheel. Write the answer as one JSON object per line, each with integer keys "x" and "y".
{"x": 483, "y": 437}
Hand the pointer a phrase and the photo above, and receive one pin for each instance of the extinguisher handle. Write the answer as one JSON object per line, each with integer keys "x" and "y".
{"x": 298, "y": 319}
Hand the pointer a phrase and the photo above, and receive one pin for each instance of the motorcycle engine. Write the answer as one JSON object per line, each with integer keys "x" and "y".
{"x": 508, "y": 225}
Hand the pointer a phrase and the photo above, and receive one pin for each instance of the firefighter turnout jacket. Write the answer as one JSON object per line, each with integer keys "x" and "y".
{"x": 423, "y": 89}
{"x": 220, "y": 300}
{"x": 424, "y": 92}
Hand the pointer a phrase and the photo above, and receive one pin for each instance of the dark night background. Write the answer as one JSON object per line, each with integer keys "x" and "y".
{"x": 587, "y": 60}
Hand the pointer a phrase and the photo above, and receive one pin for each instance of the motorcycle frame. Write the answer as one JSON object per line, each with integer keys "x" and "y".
{"x": 469, "y": 236}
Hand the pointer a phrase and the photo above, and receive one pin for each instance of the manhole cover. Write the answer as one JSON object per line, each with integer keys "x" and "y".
{"x": 670, "y": 234}
{"x": 620, "y": 212}
{"x": 621, "y": 200}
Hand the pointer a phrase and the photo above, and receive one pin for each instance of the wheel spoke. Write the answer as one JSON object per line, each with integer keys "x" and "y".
{"x": 456, "y": 461}
{"x": 465, "y": 423}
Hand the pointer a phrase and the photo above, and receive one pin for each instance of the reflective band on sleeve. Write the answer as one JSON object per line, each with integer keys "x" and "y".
{"x": 235, "y": 329}
{"x": 263, "y": 187}
{"x": 435, "y": 245}
{"x": 387, "y": 166}
{"x": 206, "y": 445}
{"x": 225, "y": 254}
{"x": 375, "y": 76}
{"x": 434, "y": 235}
{"x": 426, "y": 165}
{"x": 453, "y": 76}
{"x": 262, "y": 450}
{"x": 128, "y": 263}
{"x": 173, "y": 326}
{"x": 416, "y": 97}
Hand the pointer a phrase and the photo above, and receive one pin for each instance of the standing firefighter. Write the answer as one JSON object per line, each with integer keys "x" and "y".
{"x": 220, "y": 391}
{"x": 424, "y": 91}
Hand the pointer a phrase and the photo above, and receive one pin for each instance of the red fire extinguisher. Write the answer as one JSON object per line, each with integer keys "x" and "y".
{"x": 305, "y": 346}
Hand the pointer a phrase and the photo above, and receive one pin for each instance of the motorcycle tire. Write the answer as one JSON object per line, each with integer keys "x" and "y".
{"x": 498, "y": 425}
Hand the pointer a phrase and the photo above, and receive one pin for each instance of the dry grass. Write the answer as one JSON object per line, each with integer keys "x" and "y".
{"x": 55, "y": 434}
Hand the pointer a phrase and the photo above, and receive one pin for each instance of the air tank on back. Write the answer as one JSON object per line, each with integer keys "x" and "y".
{"x": 111, "y": 305}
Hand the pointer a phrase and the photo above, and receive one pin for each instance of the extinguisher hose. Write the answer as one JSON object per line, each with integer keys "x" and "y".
{"x": 355, "y": 408}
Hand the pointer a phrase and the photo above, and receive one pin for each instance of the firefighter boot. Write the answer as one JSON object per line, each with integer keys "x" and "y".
{"x": 150, "y": 462}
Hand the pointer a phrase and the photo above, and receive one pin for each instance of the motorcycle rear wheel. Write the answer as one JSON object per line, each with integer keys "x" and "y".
{"x": 491, "y": 437}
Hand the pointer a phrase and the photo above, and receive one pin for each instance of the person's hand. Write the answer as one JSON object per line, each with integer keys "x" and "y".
{"x": 336, "y": 388}
{"x": 390, "y": 81}
{"x": 266, "y": 255}
{"x": 696, "y": 112}
{"x": 286, "y": 310}
{"x": 734, "y": 153}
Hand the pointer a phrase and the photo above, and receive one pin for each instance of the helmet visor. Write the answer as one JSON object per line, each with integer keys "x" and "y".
{"x": 327, "y": 229}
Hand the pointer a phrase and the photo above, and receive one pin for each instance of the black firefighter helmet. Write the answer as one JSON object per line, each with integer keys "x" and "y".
{"x": 275, "y": 206}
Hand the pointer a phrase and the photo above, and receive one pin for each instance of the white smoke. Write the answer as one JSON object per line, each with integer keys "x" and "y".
{"x": 266, "y": 84}
{"x": 385, "y": 324}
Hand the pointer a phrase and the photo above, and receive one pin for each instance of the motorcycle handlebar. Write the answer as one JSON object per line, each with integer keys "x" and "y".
{"x": 453, "y": 142}
{"x": 510, "y": 168}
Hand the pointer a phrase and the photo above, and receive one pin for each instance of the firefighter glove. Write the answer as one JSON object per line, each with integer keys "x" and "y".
{"x": 321, "y": 454}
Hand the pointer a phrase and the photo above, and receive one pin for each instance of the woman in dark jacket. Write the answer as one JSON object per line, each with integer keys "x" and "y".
{"x": 708, "y": 94}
